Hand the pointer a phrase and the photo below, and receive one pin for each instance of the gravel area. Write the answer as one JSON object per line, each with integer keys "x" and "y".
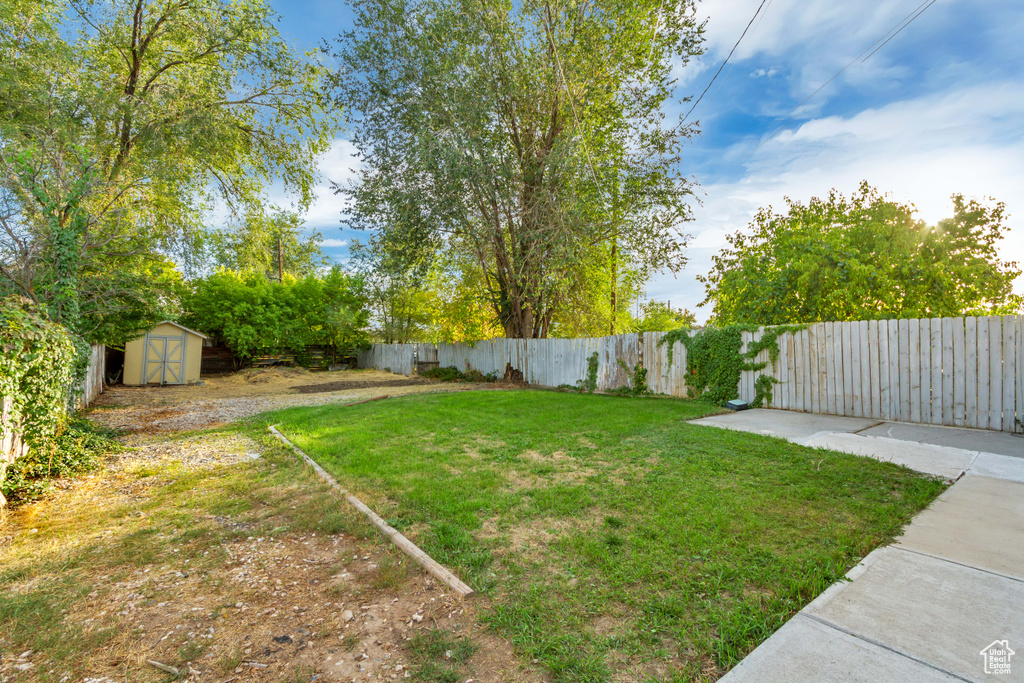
{"x": 207, "y": 412}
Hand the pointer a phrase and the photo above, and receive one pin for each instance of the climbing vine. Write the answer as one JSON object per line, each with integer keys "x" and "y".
{"x": 715, "y": 360}
{"x": 590, "y": 383}
{"x": 37, "y": 360}
{"x": 638, "y": 382}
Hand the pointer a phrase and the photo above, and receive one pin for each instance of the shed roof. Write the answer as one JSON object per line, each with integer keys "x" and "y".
{"x": 187, "y": 329}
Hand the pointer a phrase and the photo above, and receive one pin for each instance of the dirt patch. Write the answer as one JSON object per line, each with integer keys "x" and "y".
{"x": 346, "y": 386}
{"x": 226, "y": 399}
{"x": 216, "y": 595}
{"x": 251, "y": 383}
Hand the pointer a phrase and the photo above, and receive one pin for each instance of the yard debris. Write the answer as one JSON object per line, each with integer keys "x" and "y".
{"x": 163, "y": 667}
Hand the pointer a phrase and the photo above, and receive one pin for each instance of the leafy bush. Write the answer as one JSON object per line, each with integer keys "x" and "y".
{"x": 37, "y": 361}
{"x": 78, "y": 447}
{"x": 455, "y": 375}
{"x": 249, "y": 313}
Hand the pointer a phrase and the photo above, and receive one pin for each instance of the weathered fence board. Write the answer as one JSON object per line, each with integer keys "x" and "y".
{"x": 995, "y": 373}
{"x": 965, "y": 372}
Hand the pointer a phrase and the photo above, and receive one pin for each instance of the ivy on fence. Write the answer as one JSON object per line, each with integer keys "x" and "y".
{"x": 715, "y": 360}
{"x": 37, "y": 365}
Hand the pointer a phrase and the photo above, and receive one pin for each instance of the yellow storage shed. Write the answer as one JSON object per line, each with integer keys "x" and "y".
{"x": 168, "y": 354}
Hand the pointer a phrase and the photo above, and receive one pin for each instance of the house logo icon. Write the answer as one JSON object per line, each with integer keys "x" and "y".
{"x": 997, "y": 657}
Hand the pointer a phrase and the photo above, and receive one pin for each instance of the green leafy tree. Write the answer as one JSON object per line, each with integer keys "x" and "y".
{"x": 271, "y": 245}
{"x": 600, "y": 299}
{"x": 124, "y": 123}
{"x": 457, "y": 300}
{"x": 863, "y": 257}
{"x": 659, "y": 316}
{"x": 395, "y": 289}
{"x": 249, "y": 313}
{"x": 529, "y": 134}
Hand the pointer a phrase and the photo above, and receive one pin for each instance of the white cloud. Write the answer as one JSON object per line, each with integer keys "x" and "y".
{"x": 337, "y": 166}
{"x": 920, "y": 150}
{"x": 334, "y": 243}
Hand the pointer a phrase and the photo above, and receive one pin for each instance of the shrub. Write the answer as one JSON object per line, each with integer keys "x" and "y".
{"x": 249, "y": 313}
{"x": 37, "y": 363}
{"x": 78, "y": 447}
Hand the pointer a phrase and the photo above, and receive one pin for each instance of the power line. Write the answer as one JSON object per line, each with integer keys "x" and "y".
{"x": 572, "y": 102}
{"x": 900, "y": 29}
{"x": 886, "y": 37}
{"x": 759, "y": 8}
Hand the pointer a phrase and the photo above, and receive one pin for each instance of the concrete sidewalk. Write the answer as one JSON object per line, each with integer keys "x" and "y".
{"x": 943, "y": 451}
{"x": 925, "y": 608}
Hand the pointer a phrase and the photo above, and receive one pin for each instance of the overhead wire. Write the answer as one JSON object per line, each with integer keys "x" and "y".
{"x": 886, "y": 37}
{"x": 727, "y": 58}
{"x": 572, "y": 100}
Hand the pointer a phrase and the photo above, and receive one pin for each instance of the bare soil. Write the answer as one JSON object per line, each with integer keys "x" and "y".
{"x": 227, "y": 398}
{"x": 345, "y": 386}
{"x": 222, "y": 557}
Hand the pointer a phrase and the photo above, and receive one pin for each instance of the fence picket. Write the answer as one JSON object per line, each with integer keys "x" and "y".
{"x": 917, "y": 403}
{"x": 936, "y": 379}
{"x": 850, "y": 390}
{"x": 865, "y": 368}
{"x": 837, "y": 354}
{"x": 995, "y": 373}
{"x": 970, "y": 371}
{"x": 873, "y": 374}
{"x": 903, "y": 341}
{"x": 884, "y": 391}
{"x": 959, "y": 373}
{"x": 1009, "y": 363}
{"x": 812, "y": 369}
{"x": 984, "y": 363}
{"x": 1019, "y": 419}
{"x": 947, "y": 371}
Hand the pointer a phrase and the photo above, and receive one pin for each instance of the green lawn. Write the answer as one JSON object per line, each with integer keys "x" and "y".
{"x": 610, "y": 537}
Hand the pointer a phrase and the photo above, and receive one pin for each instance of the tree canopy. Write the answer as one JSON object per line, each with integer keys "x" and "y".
{"x": 659, "y": 316}
{"x": 248, "y": 313}
{"x": 530, "y": 136}
{"x": 124, "y": 124}
{"x": 271, "y": 245}
{"x": 862, "y": 257}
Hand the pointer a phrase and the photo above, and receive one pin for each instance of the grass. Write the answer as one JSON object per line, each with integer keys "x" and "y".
{"x": 440, "y": 655}
{"x": 84, "y": 542}
{"x": 611, "y": 535}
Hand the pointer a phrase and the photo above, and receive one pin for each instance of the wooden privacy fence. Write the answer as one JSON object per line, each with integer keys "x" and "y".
{"x": 92, "y": 385}
{"x": 961, "y": 372}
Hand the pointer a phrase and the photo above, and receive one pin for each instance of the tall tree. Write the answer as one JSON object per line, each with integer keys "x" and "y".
{"x": 530, "y": 132}
{"x": 659, "y": 316}
{"x": 395, "y": 290}
{"x": 272, "y": 245}
{"x": 863, "y": 257}
{"x": 124, "y": 123}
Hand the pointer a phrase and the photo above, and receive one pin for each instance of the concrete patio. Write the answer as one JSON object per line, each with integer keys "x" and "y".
{"x": 924, "y": 608}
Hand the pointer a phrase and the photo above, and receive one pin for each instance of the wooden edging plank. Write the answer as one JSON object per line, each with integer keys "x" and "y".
{"x": 440, "y": 572}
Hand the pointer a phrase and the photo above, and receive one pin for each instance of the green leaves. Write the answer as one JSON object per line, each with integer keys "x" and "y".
{"x": 529, "y": 136}
{"x": 248, "y": 313}
{"x": 865, "y": 257}
{"x": 37, "y": 359}
{"x": 124, "y": 125}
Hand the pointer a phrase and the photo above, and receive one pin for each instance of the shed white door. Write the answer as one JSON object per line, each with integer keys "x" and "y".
{"x": 165, "y": 359}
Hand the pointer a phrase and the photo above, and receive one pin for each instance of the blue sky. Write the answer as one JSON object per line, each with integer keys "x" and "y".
{"x": 937, "y": 110}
